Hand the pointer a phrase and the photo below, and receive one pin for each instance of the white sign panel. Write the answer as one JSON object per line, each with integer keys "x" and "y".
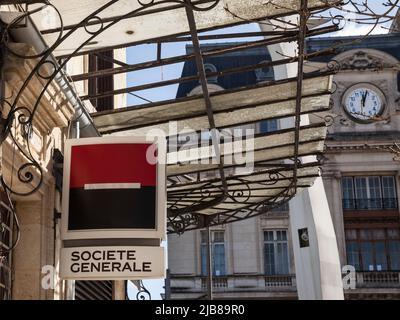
{"x": 112, "y": 263}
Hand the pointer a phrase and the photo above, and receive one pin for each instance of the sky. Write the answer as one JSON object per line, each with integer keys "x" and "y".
{"x": 144, "y": 53}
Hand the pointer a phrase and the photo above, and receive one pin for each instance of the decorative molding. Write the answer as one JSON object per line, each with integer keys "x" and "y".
{"x": 366, "y": 59}
{"x": 359, "y": 147}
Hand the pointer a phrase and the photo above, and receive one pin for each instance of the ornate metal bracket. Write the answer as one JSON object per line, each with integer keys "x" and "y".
{"x": 143, "y": 293}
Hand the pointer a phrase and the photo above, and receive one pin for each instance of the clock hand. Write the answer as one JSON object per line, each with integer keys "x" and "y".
{"x": 362, "y": 103}
{"x": 364, "y": 98}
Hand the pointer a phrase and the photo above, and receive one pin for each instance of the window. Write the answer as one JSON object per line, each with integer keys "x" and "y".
{"x": 373, "y": 249}
{"x": 276, "y": 253}
{"x": 264, "y": 74}
{"x": 210, "y": 68}
{"x": 389, "y": 192}
{"x": 97, "y": 62}
{"x": 217, "y": 253}
{"x": 7, "y": 223}
{"x": 282, "y": 209}
{"x": 268, "y": 126}
{"x": 369, "y": 193}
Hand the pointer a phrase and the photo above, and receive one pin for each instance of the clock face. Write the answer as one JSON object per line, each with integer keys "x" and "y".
{"x": 364, "y": 103}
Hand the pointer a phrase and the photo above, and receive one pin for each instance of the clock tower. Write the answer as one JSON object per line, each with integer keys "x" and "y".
{"x": 366, "y": 96}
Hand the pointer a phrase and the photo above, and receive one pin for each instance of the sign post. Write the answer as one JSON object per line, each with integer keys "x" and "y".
{"x": 114, "y": 209}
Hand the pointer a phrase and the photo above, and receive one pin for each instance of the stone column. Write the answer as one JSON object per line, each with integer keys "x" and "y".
{"x": 33, "y": 258}
{"x": 337, "y": 213}
{"x": 318, "y": 273}
{"x": 119, "y": 290}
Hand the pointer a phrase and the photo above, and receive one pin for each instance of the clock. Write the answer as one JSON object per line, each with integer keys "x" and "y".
{"x": 364, "y": 102}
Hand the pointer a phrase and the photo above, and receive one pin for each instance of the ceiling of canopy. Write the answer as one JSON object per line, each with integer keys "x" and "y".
{"x": 97, "y": 24}
{"x": 207, "y": 183}
{"x": 193, "y": 180}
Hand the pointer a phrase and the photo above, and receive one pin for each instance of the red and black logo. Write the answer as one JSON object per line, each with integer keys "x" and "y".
{"x": 112, "y": 186}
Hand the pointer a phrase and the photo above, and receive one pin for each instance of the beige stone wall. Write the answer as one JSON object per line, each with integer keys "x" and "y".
{"x": 120, "y": 101}
{"x": 36, "y": 246}
{"x": 243, "y": 247}
{"x": 183, "y": 253}
{"x": 36, "y": 211}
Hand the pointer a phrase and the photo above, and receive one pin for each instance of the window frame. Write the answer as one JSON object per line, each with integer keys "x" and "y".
{"x": 359, "y": 241}
{"x": 203, "y": 258}
{"x": 275, "y": 241}
{"x": 371, "y": 203}
{"x": 7, "y": 221}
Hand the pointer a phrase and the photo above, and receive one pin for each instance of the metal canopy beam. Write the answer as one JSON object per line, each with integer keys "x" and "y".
{"x": 286, "y": 36}
{"x": 208, "y": 106}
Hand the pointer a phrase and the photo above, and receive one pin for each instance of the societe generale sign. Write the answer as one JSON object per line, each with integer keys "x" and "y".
{"x": 112, "y": 263}
{"x": 113, "y": 209}
{"x": 114, "y": 187}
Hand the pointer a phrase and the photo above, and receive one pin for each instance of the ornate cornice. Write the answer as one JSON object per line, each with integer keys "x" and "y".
{"x": 358, "y": 147}
{"x": 366, "y": 59}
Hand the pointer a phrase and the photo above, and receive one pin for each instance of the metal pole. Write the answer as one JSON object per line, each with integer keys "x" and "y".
{"x": 209, "y": 265}
{"x": 119, "y": 290}
{"x": 168, "y": 286}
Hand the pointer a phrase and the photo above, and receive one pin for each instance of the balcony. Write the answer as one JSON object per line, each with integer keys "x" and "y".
{"x": 370, "y": 204}
{"x": 383, "y": 279}
{"x": 281, "y": 211}
{"x": 235, "y": 283}
{"x": 377, "y": 280}
{"x": 280, "y": 281}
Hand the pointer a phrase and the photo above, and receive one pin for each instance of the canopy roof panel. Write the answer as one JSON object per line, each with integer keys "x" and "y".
{"x": 264, "y": 148}
{"x": 231, "y": 107}
{"x": 227, "y": 180}
{"x": 129, "y": 21}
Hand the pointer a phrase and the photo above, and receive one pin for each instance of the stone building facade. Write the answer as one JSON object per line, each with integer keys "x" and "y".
{"x": 32, "y": 222}
{"x": 254, "y": 258}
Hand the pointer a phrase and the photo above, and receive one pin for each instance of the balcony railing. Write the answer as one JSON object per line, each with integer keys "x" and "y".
{"x": 218, "y": 282}
{"x": 370, "y": 204}
{"x": 276, "y": 283}
{"x": 280, "y": 211}
{"x": 377, "y": 279}
{"x": 280, "y": 281}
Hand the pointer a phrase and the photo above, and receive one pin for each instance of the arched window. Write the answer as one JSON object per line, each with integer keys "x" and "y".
{"x": 209, "y": 68}
{"x": 263, "y": 74}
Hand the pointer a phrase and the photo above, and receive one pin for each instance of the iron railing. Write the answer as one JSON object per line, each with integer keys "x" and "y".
{"x": 6, "y": 244}
{"x": 377, "y": 279}
{"x": 235, "y": 282}
{"x": 370, "y": 204}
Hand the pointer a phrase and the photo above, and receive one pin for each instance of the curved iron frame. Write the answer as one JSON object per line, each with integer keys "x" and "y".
{"x": 179, "y": 220}
{"x": 26, "y": 115}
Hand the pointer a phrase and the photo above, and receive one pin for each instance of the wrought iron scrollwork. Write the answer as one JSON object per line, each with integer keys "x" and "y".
{"x": 243, "y": 194}
{"x": 240, "y": 191}
{"x": 47, "y": 70}
{"x": 27, "y": 171}
{"x": 205, "y": 195}
{"x": 143, "y": 293}
{"x": 180, "y": 223}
